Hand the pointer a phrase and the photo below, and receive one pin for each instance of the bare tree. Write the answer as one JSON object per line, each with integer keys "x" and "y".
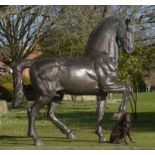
{"x": 20, "y": 32}
{"x": 5, "y": 10}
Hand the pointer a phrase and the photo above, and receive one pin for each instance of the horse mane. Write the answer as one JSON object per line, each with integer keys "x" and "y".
{"x": 105, "y": 24}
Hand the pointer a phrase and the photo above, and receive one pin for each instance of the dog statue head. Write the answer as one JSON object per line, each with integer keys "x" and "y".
{"x": 126, "y": 119}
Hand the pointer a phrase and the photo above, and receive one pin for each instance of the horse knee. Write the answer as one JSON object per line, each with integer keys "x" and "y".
{"x": 50, "y": 114}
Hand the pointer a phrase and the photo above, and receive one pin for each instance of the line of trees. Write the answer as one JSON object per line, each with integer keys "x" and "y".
{"x": 62, "y": 31}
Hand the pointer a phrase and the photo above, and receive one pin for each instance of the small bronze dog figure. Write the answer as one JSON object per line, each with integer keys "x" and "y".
{"x": 121, "y": 130}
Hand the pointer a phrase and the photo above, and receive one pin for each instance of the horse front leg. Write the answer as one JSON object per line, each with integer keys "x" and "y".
{"x": 125, "y": 89}
{"x": 101, "y": 102}
{"x": 124, "y": 102}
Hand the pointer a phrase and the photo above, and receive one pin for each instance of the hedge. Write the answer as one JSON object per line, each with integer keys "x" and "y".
{"x": 6, "y": 88}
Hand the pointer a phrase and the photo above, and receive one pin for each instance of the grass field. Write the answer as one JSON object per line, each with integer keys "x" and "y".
{"x": 80, "y": 117}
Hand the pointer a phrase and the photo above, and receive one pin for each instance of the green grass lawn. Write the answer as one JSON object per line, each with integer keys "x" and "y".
{"x": 80, "y": 117}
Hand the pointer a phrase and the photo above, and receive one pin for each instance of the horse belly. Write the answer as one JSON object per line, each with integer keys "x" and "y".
{"x": 78, "y": 81}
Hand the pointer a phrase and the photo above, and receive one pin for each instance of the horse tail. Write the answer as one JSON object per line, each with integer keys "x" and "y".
{"x": 18, "y": 93}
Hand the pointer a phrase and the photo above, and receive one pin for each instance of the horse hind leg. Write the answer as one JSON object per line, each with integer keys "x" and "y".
{"x": 32, "y": 113}
{"x": 62, "y": 127}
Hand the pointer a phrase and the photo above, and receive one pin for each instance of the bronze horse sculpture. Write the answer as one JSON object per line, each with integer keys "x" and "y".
{"x": 94, "y": 73}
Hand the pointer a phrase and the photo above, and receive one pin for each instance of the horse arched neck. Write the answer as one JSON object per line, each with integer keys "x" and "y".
{"x": 108, "y": 47}
{"x": 112, "y": 49}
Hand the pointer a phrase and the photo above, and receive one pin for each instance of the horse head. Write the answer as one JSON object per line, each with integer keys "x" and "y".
{"x": 125, "y": 35}
{"x": 110, "y": 34}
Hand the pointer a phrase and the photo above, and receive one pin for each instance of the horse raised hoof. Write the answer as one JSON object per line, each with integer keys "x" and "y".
{"x": 38, "y": 143}
{"x": 71, "y": 136}
{"x": 117, "y": 116}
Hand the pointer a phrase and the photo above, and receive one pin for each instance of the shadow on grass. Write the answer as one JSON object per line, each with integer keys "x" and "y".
{"x": 12, "y": 141}
{"x": 19, "y": 141}
{"x": 4, "y": 137}
{"x": 87, "y": 119}
{"x": 144, "y": 122}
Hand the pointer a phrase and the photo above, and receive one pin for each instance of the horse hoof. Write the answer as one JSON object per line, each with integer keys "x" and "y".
{"x": 38, "y": 143}
{"x": 102, "y": 140}
{"x": 71, "y": 136}
{"x": 117, "y": 116}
